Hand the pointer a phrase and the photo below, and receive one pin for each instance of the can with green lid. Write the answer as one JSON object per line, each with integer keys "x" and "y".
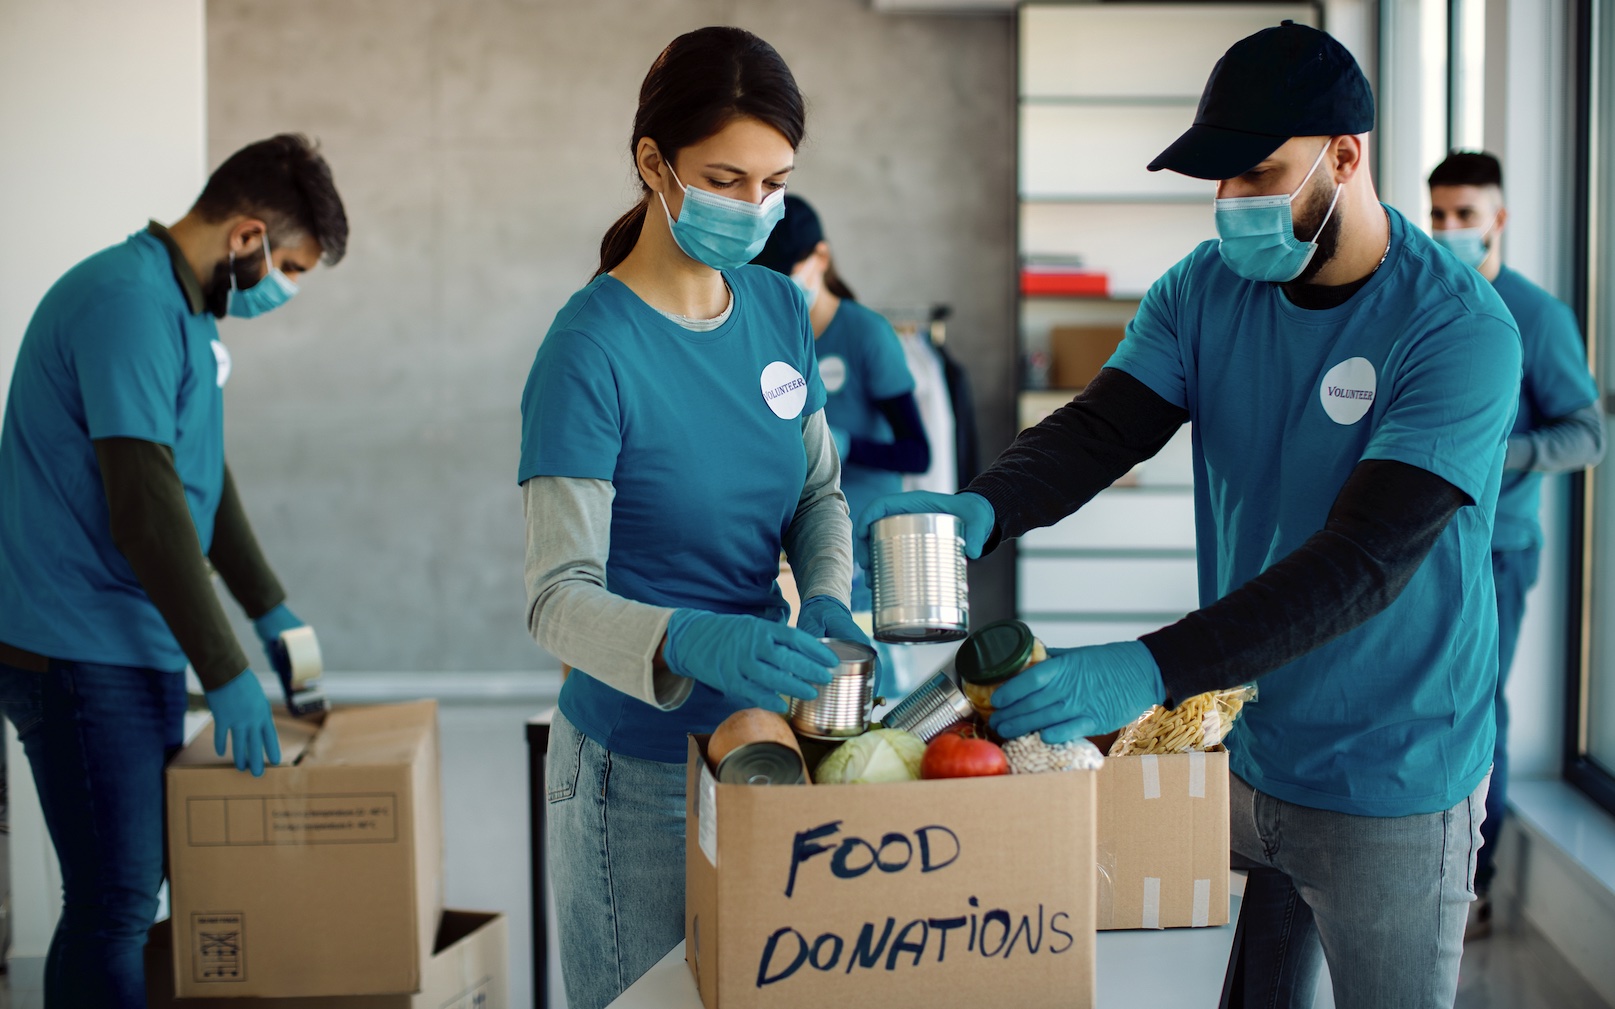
{"x": 992, "y": 657}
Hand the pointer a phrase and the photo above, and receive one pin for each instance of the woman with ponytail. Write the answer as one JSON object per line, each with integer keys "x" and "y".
{"x": 673, "y": 444}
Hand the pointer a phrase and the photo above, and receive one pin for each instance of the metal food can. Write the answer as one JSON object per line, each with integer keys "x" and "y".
{"x": 917, "y": 569}
{"x": 933, "y": 707}
{"x": 844, "y": 705}
{"x": 763, "y": 764}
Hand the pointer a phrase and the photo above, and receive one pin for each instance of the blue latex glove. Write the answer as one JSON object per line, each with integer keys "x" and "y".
{"x": 1079, "y": 692}
{"x": 825, "y": 617}
{"x": 843, "y": 442}
{"x": 270, "y": 626}
{"x": 749, "y": 659}
{"x": 974, "y": 512}
{"x": 241, "y": 714}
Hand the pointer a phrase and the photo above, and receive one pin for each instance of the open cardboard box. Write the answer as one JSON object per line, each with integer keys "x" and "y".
{"x": 917, "y": 894}
{"x": 469, "y": 969}
{"x": 324, "y": 876}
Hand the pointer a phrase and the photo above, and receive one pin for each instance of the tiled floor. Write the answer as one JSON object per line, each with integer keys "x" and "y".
{"x": 485, "y": 809}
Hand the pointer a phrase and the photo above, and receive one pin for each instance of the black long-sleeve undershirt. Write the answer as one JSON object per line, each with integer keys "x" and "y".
{"x": 1384, "y": 522}
{"x": 909, "y": 451}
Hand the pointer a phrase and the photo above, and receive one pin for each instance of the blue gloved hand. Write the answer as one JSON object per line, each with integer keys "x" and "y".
{"x": 1079, "y": 692}
{"x": 825, "y": 617}
{"x": 241, "y": 714}
{"x": 270, "y": 626}
{"x": 975, "y": 516}
{"x": 843, "y": 442}
{"x": 749, "y": 659}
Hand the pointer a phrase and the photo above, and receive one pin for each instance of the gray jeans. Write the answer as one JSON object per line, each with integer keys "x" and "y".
{"x": 1383, "y": 899}
{"x": 616, "y": 860}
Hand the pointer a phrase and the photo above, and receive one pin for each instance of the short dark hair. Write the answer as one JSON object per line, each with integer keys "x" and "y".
{"x": 1468, "y": 168}
{"x": 285, "y": 181}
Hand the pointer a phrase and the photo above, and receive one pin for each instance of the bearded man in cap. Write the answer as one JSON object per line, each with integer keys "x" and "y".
{"x": 1351, "y": 387}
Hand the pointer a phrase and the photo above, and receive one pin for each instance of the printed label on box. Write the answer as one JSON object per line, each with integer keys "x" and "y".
{"x": 706, "y": 815}
{"x": 318, "y": 819}
{"x": 476, "y": 997}
{"x": 218, "y": 946}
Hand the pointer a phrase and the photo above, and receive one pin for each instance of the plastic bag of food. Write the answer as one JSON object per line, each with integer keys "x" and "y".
{"x": 1029, "y": 754}
{"x": 1198, "y": 723}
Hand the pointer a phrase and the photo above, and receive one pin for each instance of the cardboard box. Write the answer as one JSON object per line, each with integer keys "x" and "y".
{"x": 469, "y": 969}
{"x": 1080, "y": 351}
{"x": 971, "y": 891}
{"x": 1163, "y": 841}
{"x": 323, "y": 877}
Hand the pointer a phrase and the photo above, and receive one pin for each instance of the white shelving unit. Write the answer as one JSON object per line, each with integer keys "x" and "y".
{"x": 1103, "y": 89}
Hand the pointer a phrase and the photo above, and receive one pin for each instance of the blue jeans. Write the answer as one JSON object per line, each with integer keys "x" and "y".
{"x": 1384, "y": 899}
{"x": 98, "y": 738}
{"x": 616, "y": 854}
{"x": 1514, "y": 572}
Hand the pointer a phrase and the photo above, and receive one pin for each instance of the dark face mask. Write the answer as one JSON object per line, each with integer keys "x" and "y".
{"x": 249, "y": 270}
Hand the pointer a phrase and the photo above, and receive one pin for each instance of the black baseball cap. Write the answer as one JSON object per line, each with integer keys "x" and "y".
{"x": 793, "y": 238}
{"x": 1282, "y": 82}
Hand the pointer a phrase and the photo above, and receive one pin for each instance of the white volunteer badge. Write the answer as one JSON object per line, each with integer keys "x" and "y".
{"x": 221, "y": 354}
{"x": 1348, "y": 390}
{"x": 833, "y": 373}
{"x": 784, "y": 390}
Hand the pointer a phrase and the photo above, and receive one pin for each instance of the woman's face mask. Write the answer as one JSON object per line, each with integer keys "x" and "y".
{"x": 720, "y": 232}
{"x": 1258, "y": 233}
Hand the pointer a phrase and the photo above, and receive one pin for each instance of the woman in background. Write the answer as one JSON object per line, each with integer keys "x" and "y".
{"x": 873, "y": 416}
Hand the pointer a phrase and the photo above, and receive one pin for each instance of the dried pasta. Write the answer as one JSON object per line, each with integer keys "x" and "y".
{"x": 1198, "y": 723}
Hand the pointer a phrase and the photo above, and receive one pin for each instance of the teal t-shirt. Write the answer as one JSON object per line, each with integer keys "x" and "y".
{"x": 861, "y": 363}
{"x": 113, "y": 351}
{"x": 1420, "y": 366}
{"x": 700, "y": 435}
{"x": 1557, "y": 383}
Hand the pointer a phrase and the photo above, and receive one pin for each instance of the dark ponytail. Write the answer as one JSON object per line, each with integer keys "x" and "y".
{"x": 835, "y": 285}
{"x": 700, "y": 83}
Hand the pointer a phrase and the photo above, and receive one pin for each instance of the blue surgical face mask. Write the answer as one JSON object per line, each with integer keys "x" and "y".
{"x": 273, "y": 291}
{"x": 1468, "y": 244}
{"x": 722, "y": 233}
{"x": 809, "y": 291}
{"x": 1258, "y": 233}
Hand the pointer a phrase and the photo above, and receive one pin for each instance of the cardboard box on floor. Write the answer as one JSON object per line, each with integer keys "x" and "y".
{"x": 324, "y": 876}
{"x": 1163, "y": 840}
{"x": 971, "y": 891}
{"x": 469, "y": 969}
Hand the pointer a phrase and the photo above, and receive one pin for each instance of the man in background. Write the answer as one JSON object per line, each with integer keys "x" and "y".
{"x": 1559, "y": 428}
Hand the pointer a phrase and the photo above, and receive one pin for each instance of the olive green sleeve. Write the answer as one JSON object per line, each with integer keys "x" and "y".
{"x": 238, "y": 559}
{"x": 151, "y": 526}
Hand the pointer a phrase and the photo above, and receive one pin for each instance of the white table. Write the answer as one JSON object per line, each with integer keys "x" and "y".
{"x": 1180, "y": 967}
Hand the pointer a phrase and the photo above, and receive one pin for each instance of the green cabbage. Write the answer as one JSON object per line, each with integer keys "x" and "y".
{"x": 878, "y": 755}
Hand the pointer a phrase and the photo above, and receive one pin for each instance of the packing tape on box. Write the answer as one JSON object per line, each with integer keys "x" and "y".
{"x": 1151, "y": 766}
{"x": 1202, "y": 903}
{"x": 1197, "y": 774}
{"x": 1152, "y": 903}
{"x": 303, "y": 655}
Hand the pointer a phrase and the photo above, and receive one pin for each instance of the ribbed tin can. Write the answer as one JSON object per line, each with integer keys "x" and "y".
{"x": 932, "y": 707}
{"x": 763, "y": 764}
{"x": 917, "y": 567}
{"x": 844, "y": 704}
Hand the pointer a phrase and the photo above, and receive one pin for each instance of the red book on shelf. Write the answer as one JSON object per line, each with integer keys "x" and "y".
{"x": 1065, "y": 283}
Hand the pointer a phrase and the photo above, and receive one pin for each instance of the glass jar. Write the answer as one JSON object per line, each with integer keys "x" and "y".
{"x": 992, "y": 657}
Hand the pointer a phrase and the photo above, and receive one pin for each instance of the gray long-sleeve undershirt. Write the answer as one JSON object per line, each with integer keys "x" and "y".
{"x": 1562, "y": 445}
{"x": 573, "y": 616}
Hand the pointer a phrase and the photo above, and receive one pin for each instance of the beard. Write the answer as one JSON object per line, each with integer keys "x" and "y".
{"x": 248, "y": 269}
{"x": 1308, "y": 220}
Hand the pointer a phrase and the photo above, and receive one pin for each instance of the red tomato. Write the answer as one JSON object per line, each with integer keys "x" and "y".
{"x": 960, "y": 753}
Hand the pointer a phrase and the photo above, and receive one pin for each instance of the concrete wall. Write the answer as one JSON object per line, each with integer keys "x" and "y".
{"x": 481, "y": 148}
{"x": 101, "y": 125}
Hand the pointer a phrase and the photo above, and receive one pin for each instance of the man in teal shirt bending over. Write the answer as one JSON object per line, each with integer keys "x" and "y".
{"x": 114, "y": 498}
{"x": 1559, "y": 428}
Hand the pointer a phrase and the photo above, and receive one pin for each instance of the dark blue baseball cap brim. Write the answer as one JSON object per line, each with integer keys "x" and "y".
{"x": 1215, "y": 153}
